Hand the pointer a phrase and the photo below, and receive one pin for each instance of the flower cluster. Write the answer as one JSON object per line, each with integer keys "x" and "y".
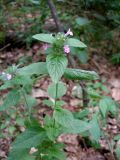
{"x": 6, "y": 76}
{"x": 66, "y": 47}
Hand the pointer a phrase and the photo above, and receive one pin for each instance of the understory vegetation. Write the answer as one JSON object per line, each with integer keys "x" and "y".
{"x": 65, "y": 33}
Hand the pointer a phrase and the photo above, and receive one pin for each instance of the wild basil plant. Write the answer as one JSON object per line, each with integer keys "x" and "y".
{"x": 39, "y": 141}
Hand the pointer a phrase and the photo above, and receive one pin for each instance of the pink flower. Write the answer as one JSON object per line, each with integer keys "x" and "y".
{"x": 45, "y": 46}
{"x": 8, "y": 76}
{"x": 69, "y": 32}
{"x": 66, "y": 49}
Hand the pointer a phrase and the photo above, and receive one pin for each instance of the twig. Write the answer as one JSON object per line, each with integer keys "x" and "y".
{"x": 1, "y": 49}
{"x": 54, "y": 15}
{"x": 85, "y": 95}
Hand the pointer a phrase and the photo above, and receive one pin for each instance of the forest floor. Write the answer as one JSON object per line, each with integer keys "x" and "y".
{"x": 76, "y": 148}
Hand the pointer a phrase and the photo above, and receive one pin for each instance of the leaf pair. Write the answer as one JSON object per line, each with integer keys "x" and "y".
{"x": 48, "y": 38}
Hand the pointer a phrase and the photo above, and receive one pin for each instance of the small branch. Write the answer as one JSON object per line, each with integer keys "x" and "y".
{"x": 1, "y": 49}
{"x": 85, "y": 95}
{"x": 54, "y": 15}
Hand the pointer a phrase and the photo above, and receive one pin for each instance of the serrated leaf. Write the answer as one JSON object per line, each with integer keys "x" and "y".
{"x": 53, "y": 130}
{"x": 107, "y": 104}
{"x": 29, "y": 138}
{"x": 95, "y": 129}
{"x": 35, "y": 68}
{"x": 71, "y": 125}
{"x": 77, "y": 127}
{"x": 6, "y": 85}
{"x": 54, "y": 150}
{"x": 82, "y": 114}
{"x": 32, "y": 137}
{"x": 48, "y": 38}
{"x": 60, "y": 103}
{"x": 20, "y": 154}
{"x": 78, "y": 74}
{"x": 75, "y": 43}
{"x": 93, "y": 93}
{"x": 48, "y": 103}
{"x": 103, "y": 107}
{"x": 56, "y": 65}
{"x": 11, "y": 100}
{"x": 22, "y": 80}
{"x": 31, "y": 101}
{"x": 61, "y": 90}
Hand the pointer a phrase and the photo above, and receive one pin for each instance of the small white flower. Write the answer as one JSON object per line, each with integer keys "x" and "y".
{"x": 69, "y": 32}
{"x": 6, "y": 76}
{"x": 33, "y": 150}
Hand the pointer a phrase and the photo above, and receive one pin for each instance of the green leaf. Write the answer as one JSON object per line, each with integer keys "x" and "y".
{"x": 37, "y": 2}
{"x": 63, "y": 116}
{"x": 117, "y": 151}
{"x": 76, "y": 127}
{"x": 48, "y": 38}
{"x": 107, "y": 104}
{"x": 48, "y": 103}
{"x": 95, "y": 129}
{"x": 78, "y": 74}
{"x": 20, "y": 121}
{"x": 117, "y": 137}
{"x": 11, "y": 129}
{"x": 82, "y": 114}
{"x": 82, "y": 21}
{"x": 6, "y": 85}
{"x": 31, "y": 137}
{"x": 11, "y": 100}
{"x": 20, "y": 154}
{"x": 35, "y": 68}
{"x": 71, "y": 125}
{"x": 56, "y": 65}
{"x": 31, "y": 101}
{"x": 60, "y": 103}
{"x": 75, "y": 43}
{"x": 93, "y": 93}
{"x": 54, "y": 151}
{"x": 22, "y": 80}
{"x": 53, "y": 129}
{"x": 81, "y": 54}
{"x": 61, "y": 90}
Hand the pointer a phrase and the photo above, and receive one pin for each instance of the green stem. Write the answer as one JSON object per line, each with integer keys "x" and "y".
{"x": 24, "y": 96}
{"x": 55, "y": 98}
{"x": 56, "y": 94}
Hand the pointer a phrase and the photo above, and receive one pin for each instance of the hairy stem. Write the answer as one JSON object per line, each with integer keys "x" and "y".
{"x": 56, "y": 94}
{"x": 24, "y": 96}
